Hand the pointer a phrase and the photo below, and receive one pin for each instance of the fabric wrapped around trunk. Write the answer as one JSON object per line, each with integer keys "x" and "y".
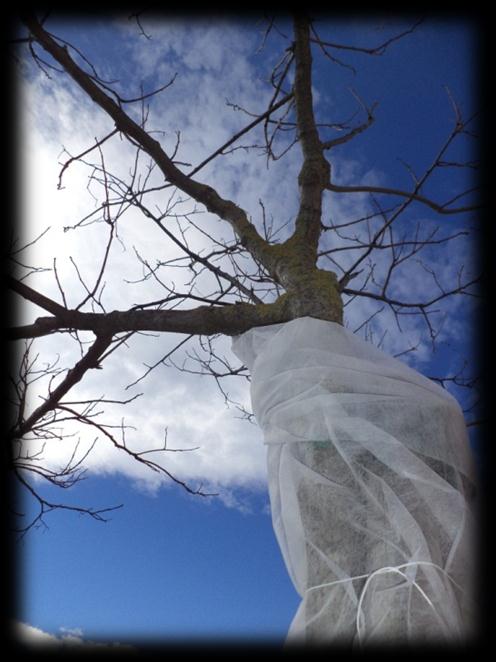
{"x": 371, "y": 486}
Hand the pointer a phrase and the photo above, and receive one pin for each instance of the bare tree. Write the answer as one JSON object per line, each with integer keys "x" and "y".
{"x": 265, "y": 273}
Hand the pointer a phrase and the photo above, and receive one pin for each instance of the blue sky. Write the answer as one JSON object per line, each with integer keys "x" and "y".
{"x": 168, "y": 565}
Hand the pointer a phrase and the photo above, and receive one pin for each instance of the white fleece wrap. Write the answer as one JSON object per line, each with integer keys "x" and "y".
{"x": 370, "y": 476}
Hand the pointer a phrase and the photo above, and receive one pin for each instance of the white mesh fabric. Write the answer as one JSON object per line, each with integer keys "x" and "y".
{"x": 370, "y": 476}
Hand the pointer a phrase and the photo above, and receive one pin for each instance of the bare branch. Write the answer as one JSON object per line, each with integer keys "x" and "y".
{"x": 138, "y": 456}
{"x": 329, "y": 144}
{"x": 159, "y": 362}
{"x": 90, "y": 360}
{"x": 415, "y": 194}
{"x": 47, "y": 506}
{"x": 315, "y": 171}
{"x": 98, "y": 143}
{"x": 198, "y": 259}
{"x": 375, "y": 50}
{"x": 439, "y": 208}
{"x": 148, "y": 95}
{"x": 420, "y": 305}
{"x": 35, "y": 297}
{"x": 204, "y": 320}
{"x": 237, "y": 136}
{"x": 137, "y": 18}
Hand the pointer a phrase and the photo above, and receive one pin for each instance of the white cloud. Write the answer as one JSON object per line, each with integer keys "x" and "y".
{"x": 32, "y": 637}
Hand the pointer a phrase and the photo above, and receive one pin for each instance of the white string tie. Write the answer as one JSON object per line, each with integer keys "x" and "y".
{"x": 381, "y": 571}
